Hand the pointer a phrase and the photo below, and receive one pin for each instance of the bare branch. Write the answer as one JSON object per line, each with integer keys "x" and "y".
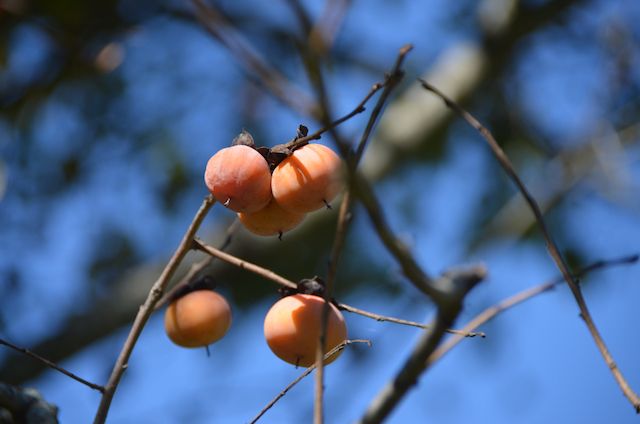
{"x": 278, "y": 279}
{"x": 385, "y": 318}
{"x": 551, "y": 245}
{"x": 392, "y": 80}
{"x": 146, "y": 309}
{"x": 345, "y": 210}
{"x": 456, "y": 284}
{"x": 306, "y": 372}
{"x": 240, "y": 263}
{"x": 301, "y": 141}
{"x": 53, "y": 365}
{"x": 197, "y": 268}
{"x": 491, "y": 312}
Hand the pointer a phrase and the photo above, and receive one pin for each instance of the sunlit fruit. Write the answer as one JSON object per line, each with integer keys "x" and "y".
{"x": 239, "y": 178}
{"x": 270, "y": 220}
{"x": 292, "y": 329}
{"x": 197, "y": 319}
{"x": 308, "y": 179}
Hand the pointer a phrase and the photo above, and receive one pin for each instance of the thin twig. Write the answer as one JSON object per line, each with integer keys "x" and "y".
{"x": 391, "y": 80}
{"x": 490, "y": 313}
{"x": 146, "y": 309}
{"x": 550, "y": 243}
{"x": 306, "y": 372}
{"x": 280, "y": 280}
{"x": 457, "y": 284}
{"x": 240, "y": 263}
{"x": 53, "y": 365}
{"x": 197, "y": 267}
{"x": 254, "y": 65}
{"x": 301, "y": 141}
{"x": 385, "y": 318}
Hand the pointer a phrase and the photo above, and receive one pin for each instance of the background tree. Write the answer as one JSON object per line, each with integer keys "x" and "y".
{"x": 110, "y": 110}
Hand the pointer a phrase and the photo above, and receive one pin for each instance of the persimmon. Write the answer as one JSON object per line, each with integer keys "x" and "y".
{"x": 270, "y": 220}
{"x": 292, "y": 329}
{"x": 308, "y": 179}
{"x": 239, "y": 178}
{"x": 197, "y": 319}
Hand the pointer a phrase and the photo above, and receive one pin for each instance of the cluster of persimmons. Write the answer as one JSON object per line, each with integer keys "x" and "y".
{"x": 271, "y": 190}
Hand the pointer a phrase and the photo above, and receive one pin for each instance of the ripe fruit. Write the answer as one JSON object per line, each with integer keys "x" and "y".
{"x": 239, "y": 178}
{"x": 197, "y": 319}
{"x": 308, "y": 179}
{"x": 270, "y": 220}
{"x": 292, "y": 329}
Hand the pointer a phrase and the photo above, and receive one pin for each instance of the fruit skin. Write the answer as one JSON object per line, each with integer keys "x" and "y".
{"x": 239, "y": 178}
{"x": 197, "y": 319}
{"x": 292, "y": 329}
{"x": 270, "y": 220}
{"x": 308, "y": 179}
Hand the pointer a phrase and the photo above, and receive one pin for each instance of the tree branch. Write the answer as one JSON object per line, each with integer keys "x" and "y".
{"x": 491, "y": 312}
{"x": 306, "y": 372}
{"x": 147, "y": 309}
{"x": 197, "y": 268}
{"x": 280, "y": 280}
{"x": 456, "y": 284}
{"x": 390, "y": 82}
{"x": 551, "y": 245}
{"x": 384, "y": 318}
{"x": 53, "y": 365}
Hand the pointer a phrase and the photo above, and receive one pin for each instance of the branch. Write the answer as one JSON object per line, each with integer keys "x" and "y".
{"x": 196, "y": 268}
{"x": 463, "y": 68}
{"x": 53, "y": 365}
{"x": 390, "y": 82}
{"x": 491, "y": 312}
{"x": 147, "y": 308}
{"x": 551, "y": 245}
{"x": 301, "y": 141}
{"x": 306, "y": 372}
{"x": 384, "y": 318}
{"x": 240, "y": 263}
{"x": 280, "y": 280}
{"x": 456, "y": 284}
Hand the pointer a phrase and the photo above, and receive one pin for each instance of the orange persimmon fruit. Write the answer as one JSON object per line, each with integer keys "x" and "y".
{"x": 239, "y": 178}
{"x": 292, "y": 329}
{"x": 270, "y": 220}
{"x": 197, "y": 319}
{"x": 308, "y": 179}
